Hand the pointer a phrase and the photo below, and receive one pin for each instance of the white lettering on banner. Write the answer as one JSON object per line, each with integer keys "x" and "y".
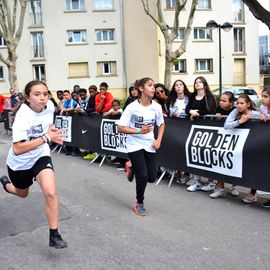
{"x": 110, "y": 138}
{"x": 64, "y": 123}
{"x": 215, "y": 149}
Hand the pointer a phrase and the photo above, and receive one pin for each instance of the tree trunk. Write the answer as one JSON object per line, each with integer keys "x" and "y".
{"x": 169, "y": 61}
{"x": 12, "y": 70}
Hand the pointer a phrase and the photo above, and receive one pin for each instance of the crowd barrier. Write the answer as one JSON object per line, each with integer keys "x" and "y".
{"x": 202, "y": 147}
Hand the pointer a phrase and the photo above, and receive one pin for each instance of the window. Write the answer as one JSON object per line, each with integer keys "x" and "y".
{"x": 204, "y": 65}
{"x": 103, "y": 4}
{"x": 106, "y": 68}
{"x": 181, "y": 33}
{"x": 106, "y": 35}
{"x": 180, "y": 66}
{"x": 78, "y": 70}
{"x": 170, "y": 4}
{"x": 239, "y": 39}
{"x": 75, "y": 5}
{"x": 2, "y": 42}
{"x": 78, "y": 36}
{"x": 238, "y": 11}
{"x": 39, "y": 72}
{"x": 35, "y": 12}
{"x": 37, "y": 44}
{"x": 202, "y": 34}
{"x": 204, "y": 4}
{"x": 1, "y": 73}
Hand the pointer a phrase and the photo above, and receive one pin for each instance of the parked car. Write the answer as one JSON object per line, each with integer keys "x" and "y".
{"x": 238, "y": 90}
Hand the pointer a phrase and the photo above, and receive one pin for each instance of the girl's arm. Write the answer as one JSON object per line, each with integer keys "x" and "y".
{"x": 53, "y": 135}
{"x": 127, "y": 130}
{"x": 232, "y": 121}
{"x": 157, "y": 142}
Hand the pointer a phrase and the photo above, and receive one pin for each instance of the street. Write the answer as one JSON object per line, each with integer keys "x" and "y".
{"x": 182, "y": 230}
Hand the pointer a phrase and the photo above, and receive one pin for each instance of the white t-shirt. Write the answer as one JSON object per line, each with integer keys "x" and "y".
{"x": 178, "y": 107}
{"x": 135, "y": 116}
{"x": 29, "y": 125}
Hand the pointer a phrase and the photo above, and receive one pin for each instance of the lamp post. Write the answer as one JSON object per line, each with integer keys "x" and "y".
{"x": 226, "y": 27}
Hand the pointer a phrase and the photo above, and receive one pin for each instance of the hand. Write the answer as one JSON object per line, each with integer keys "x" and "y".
{"x": 218, "y": 115}
{"x": 56, "y": 135}
{"x": 194, "y": 113}
{"x": 244, "y": 118}
{"x": 156, "y": 144}
{"x": 102, "y": 97}
{"x": 263, "y": 117}
{"x": 146, "y": 129}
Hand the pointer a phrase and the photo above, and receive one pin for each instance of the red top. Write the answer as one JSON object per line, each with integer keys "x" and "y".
{"x": 107, "y": 102}
{"x": 2, "y": 101}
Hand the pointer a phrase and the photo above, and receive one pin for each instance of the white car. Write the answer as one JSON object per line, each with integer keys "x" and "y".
{"x": 238, "y": 90}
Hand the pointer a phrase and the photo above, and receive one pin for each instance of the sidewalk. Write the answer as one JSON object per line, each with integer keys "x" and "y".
{"x": 183, "y": 230}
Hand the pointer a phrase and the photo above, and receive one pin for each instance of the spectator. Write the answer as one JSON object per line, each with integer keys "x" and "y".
{"x": 13, "y": 97}
{"x": 201, "y": 102}
{"x": 161, "y": 97}
{"x": 76, "y": 88}
{"x": 2, "y": 103}
{"x": 83, "y": 101}
{"x": 115, "y": 112}
{"x": 69, "y": 104}
{"x": 133, "y": 93}
{"x": 91, "y": 106}
{"x": 52, "y": 99}
{"x": 75, "y": 96}
{"x": 60, "y": 96}
{"x": 104, "y": 99}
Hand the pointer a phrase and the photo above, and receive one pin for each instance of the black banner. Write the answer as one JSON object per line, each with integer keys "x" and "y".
{"x": 202, "y": 147}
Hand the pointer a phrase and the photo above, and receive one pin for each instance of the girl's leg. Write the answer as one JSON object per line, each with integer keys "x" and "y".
{"x": 151, "y": 164}
{"x": 139, "y": 167}
{"x": 47, "y": 184}
{"x": 10, "y": 188}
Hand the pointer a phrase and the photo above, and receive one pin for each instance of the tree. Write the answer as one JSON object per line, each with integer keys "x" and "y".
{"x": 171, "y": 33}
{"x": 258, "y": 11}
{"x": 11, "y": 26}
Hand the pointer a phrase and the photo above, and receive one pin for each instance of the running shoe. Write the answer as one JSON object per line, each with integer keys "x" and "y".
{"x": 57, "y": 242}
{"x": 218, "y": 193}
{"x": 4, "y": 181}
{"x": 208, "y": 187}
{"x": 139, "y": 209}
{"x": 250, "y": 199}
{"x": 195, "y": 187}
{"x": 266, "y": 204}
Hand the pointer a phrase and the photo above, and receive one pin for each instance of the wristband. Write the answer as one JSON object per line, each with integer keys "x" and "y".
{"x": 139, "y": 131}
{"x": 48, "y": 138}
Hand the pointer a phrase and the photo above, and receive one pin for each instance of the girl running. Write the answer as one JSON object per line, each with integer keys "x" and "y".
{"x": 29, "y": 157}
{"x": 138, "y": 121}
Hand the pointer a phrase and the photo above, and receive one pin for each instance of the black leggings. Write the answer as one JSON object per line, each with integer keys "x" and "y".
{"x": 145, "y": 170}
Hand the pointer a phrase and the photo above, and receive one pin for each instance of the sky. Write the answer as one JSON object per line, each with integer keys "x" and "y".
{"x": 263, "y": 29}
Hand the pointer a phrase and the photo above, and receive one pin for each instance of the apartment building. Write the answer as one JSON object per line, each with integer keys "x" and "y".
{"x": 84, "y": 42}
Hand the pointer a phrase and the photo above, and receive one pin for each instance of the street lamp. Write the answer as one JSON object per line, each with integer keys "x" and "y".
{"x": 226, "y": 27}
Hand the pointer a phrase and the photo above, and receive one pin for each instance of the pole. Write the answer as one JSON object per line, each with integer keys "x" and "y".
{"x": 220, "y": 63}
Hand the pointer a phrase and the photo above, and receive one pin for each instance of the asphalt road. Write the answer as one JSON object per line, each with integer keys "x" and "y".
{"x": 181, "y": 231}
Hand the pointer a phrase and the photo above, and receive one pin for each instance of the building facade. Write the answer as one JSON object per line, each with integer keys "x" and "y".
{"x": 85, "y": 42}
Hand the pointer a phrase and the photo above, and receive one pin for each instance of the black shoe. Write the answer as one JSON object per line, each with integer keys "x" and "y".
{"x": 4, "y": 181}
{"x": 266, "y": 204}
{"x": 56, "y": 241}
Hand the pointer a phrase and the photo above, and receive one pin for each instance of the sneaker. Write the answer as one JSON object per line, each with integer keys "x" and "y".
{"x": 129, "y": 171}
{"x": 218, "y": 193}
{"x": 89, "y": 156}
{"x": 208, "y": 187}
{"x": 190, "y": 182}
{"x": 195, "y": 187}
{"x": 250, "y": 199}
{"x": 266, "y": 204}
{"x": 139, "y": 209}
{"x": 56, "y": 241}
{"x": 234, "y": 192}
{"x": 4, "y": 181}
{"x": 183, "y": 179}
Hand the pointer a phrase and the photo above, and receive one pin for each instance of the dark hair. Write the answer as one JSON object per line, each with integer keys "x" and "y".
{"x": 166, "y": 91}
{"x": 76, "y": 85}
{"x": 92, "y": 87}
{"x": 67, "y": 91}
{"x": 116, "y": 101}
{"x": 230, "y": 95}
{"x": 104, "y": 84}
{"x": 29, "y": 86}
{"x": 143, "y": 81}
{"x": 206, "y": 88}
{"x": 60, "y": 92}
{"x": 173, "y": 94}
{"x": 267, "y": 90}
{"x": 82, "y": 90}
{"x": 248, "y": 100}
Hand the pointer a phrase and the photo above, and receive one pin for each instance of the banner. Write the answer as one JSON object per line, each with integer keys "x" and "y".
{"x": 64, "y": 123}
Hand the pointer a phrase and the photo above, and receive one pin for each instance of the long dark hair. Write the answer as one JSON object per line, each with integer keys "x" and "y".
{"x": 247, "y": 99}
{"x": 173, "y": 94}
{"x": 207, "y": 91}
